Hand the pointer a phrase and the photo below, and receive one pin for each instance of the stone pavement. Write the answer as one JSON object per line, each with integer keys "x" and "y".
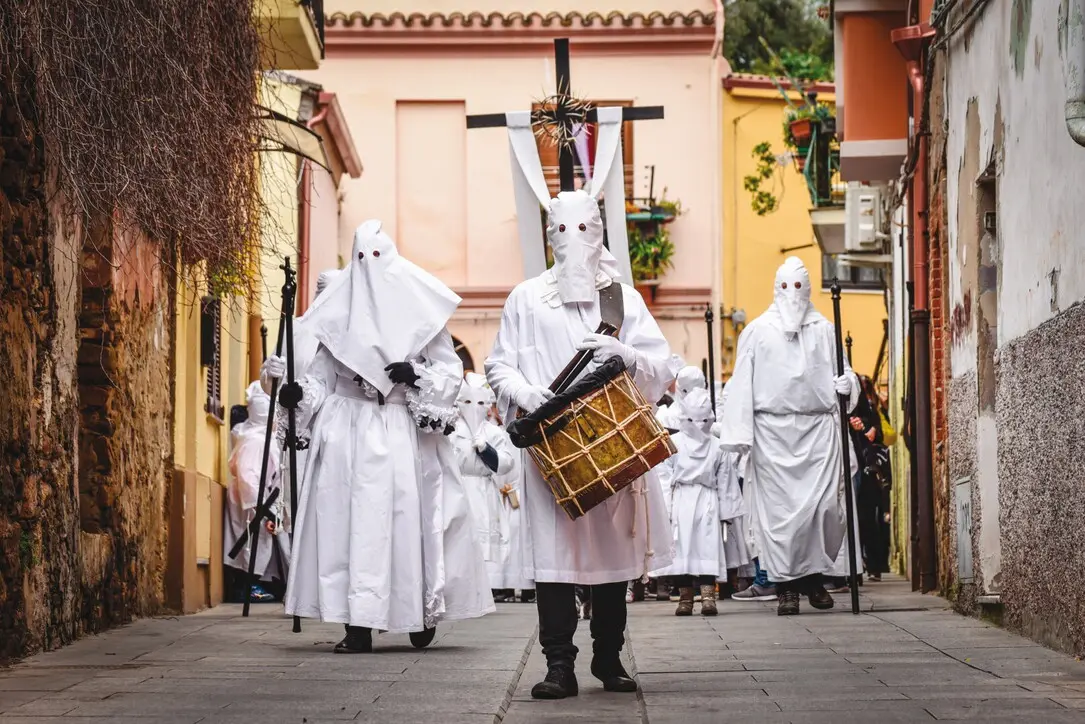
{"x": 907, "y": 658}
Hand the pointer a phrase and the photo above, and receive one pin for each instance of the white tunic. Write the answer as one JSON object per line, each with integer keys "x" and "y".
{"x": 272, "y": 551}
{"x": 537, "y": 338}
{"x": 496, "y": 523}
{"x": 733, "y": 514}
{"x": 782, "y": 407}
{"x": 697, "y": 540}
{"x": 384, "y": 537}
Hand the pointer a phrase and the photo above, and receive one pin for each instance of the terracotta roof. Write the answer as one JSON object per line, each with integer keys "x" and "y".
{"x": 476, "y": 20}
{"x": 753, "y": 80}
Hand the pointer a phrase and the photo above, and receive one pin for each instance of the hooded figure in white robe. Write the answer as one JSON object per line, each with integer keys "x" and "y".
{"x": 546, "y": 321}
{"x": 246, "y": 460}
{"x": 487, "y": 458}
{"x": 689, "y": 378}
{"x": 782, "y": 411}
{"x": 696, "y": 477}
{"x": 384, "y": 537}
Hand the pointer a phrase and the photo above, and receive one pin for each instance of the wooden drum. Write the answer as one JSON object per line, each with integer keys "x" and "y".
{"x": 598, "y": 443}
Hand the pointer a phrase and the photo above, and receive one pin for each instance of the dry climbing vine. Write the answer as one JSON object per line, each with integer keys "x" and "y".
{"x": 145, "y": 108}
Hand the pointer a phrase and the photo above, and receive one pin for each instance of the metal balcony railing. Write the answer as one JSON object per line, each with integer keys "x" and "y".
{"x": 316, "y": 11}
{"x": 821, "y": 169}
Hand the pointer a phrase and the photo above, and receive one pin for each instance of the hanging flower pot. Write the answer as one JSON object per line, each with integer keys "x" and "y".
{"x": 800, "y": 157}
{"x": 802, "y": 129}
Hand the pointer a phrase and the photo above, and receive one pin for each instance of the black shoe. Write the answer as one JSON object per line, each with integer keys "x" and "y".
{"x": 560, "y": 683}
{"x": 788, "y": 604}
{"x": 357, "y": 641}
{"x": 613, "y": 675}
{"x": 819, "y": 598}
{"x": 527, "y": 596}
{"x": 422, "y": 639}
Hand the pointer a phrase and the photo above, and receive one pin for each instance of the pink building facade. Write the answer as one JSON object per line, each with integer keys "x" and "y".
{"x": 407, "y": 82}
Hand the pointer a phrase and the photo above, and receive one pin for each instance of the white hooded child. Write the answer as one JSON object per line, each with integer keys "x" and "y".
{"x": 383, "y": 539}
{"x": 689, "y": 378}
{"x": 486, "y": 456}
{"x": 782, "y": 412}
{"x": 697, "y": 479}
{"x": 246, "y": 460}
{"x": 546, "y": 320}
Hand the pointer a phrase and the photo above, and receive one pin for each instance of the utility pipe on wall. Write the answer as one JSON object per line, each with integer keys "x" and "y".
{"x": 305, "y": 215}
{"x": 1074, "y": 61}
{"x": 913, "y": 42}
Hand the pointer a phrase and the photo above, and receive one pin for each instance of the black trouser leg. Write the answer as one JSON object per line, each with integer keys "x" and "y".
{"x": 608, "y": 619}
{"x": 706, "y": 580}
{"x": 801, "y": 585}
{"x": 557, "y": 622}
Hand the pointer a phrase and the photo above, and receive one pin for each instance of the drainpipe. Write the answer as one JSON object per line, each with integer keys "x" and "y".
{"x": 912, "y": 42}
{"x": 1074, "y": 61}
{"x": 304, "y": 220}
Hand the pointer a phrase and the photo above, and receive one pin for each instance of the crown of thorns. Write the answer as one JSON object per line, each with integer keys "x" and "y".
{"x": 556, "y": 116}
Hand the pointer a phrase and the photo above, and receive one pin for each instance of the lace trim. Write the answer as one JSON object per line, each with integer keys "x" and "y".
{"x": 423, "y": 405}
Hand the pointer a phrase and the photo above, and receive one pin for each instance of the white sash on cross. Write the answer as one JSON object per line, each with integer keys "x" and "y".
{"x": 609, "y": 179}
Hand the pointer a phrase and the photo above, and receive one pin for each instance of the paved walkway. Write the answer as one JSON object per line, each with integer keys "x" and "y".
{"x": 905, "y": 659}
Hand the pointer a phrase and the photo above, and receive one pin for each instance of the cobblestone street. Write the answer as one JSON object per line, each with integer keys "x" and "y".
{"x": 906, "y": 659}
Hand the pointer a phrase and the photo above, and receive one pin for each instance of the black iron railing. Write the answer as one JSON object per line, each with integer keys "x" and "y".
{"x": 316, "y": 11}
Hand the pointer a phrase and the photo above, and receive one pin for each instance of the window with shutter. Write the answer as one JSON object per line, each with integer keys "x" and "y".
{"x": 211, "y": 355}
{"x": 548, "y": 152}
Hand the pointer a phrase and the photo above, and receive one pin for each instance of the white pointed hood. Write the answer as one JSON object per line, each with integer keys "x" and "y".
{"x": 380, "y": 309}
{"x": 791, "y": 297}
{"x": 574, "y": 229}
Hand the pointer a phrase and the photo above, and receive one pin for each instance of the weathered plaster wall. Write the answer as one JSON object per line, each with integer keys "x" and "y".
{"x": 1015, "y": 317}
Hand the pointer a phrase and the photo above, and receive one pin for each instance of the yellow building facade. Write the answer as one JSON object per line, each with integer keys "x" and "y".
{"x": 755, "y": 245}
{"x": 218, "y": 345}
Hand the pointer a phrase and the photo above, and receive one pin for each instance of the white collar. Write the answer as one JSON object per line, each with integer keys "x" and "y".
{"x": 551, "y": 295}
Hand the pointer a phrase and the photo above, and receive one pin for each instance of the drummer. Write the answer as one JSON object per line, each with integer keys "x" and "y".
{"x": 546, "y": 320}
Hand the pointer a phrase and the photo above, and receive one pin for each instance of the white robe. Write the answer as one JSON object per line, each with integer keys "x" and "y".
{"x": 782, "y": 407}
{"x": 496, "y": 523}
{"x": 383, "y": 537}
{"x": 695, "y": 492}
{"x": 733, "y": 515}
{"x": 272, "y": 551}
{"x": 537, "y": 338}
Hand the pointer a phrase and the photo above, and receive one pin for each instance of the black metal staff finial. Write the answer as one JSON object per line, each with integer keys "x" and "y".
{"x": 709, "y": 318}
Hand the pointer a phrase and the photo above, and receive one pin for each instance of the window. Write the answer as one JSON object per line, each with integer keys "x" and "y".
{"x": 211, "y": 354}
{"x": 850, "y": 277}
{"x": 464, "y": 354}
{"x": 548, "y": 153}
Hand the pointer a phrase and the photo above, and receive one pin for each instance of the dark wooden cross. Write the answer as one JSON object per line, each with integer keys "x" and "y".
{"x": 560, "y": 114}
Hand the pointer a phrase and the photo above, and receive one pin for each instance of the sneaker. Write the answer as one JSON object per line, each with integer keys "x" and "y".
{"x": 789, "y": 604}
{"x": 629, "y": 595}
{"x": 756, "y": 593}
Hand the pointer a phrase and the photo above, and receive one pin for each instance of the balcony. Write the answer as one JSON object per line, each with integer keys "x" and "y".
{"x": 292, "y": 33}
{"x": 821, "y": 170}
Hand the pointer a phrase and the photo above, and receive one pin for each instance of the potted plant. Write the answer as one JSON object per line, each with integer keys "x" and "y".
{"x": 651, "y": 256}
{"x": 800, "y": 123}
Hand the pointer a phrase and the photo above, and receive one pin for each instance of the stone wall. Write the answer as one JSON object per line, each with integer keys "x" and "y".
{"x": 86, "y": 414}
{"x": 39, "y": 541}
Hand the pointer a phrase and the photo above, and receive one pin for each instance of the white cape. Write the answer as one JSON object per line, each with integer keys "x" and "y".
{"x": 384, "y": 536}
{"x": 627, "y": 535}
{"x": 782, "y": 408}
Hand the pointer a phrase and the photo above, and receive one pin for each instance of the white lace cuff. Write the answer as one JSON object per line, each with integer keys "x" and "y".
{"x": 425, "y": 404}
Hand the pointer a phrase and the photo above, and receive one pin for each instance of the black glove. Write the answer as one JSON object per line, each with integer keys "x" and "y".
{"x": 290, "y": 395}
{"x": 402, "y": 373}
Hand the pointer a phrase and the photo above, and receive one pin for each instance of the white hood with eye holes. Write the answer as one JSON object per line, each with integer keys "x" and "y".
{"x": 380, "y": 309}
{"x": 574, "y": 229}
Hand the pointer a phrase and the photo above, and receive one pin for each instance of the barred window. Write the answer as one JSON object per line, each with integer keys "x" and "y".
{"x": 211, "y": 355}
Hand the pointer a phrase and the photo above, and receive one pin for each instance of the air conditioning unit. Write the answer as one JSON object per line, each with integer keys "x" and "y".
{"x": 864, "y": 216}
